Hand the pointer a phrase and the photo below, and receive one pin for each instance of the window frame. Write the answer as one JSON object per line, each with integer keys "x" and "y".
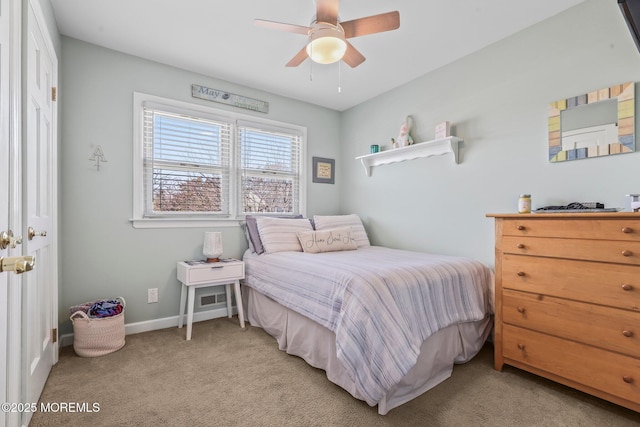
{"x": 235, "y": 217}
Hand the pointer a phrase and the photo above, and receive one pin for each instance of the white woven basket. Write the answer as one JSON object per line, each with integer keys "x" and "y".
{"x": 97, "y": 336}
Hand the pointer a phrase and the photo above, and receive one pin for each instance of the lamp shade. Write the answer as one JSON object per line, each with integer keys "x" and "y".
{"x": 212, "y": 247}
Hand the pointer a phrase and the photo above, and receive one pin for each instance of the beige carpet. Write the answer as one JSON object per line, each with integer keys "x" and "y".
{"x": 228, "y": 377}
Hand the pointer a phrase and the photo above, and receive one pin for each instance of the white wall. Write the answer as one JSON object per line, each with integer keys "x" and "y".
{"x": 497, "y": 100}
{"x": 102, "y": 255}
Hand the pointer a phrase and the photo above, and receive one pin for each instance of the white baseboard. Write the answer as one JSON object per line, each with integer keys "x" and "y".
{"x": 155, "y": 324}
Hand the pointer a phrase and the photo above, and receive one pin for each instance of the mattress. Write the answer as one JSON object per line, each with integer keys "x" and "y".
{"x": 380, "y": 304}
{"x": 299, "y": 336}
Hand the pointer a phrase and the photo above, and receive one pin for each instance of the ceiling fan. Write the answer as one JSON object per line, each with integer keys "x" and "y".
{"x": 328, "y": 36}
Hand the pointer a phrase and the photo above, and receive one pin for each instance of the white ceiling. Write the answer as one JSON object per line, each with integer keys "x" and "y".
{"x": 218, "y": 39}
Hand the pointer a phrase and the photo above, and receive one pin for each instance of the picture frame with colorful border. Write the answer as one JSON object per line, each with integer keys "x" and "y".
{"x": 324, "y": 170}
{"x": 625, "y": 143}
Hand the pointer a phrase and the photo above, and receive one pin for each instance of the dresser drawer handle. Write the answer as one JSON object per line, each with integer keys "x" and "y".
{"x": 627, "y": 334}
{"x": 627, "y": 253}
{"x": 217, "y": 266}
{"x": 520, "y": 245}
{"x": 521, "y": 310}
{"x": 627, "y": 230}
{"x": 521, "y": 227}
{"x": 627, "y": 379}
{"x": 521, "y": 273}
{"x": 521, "y": 346}
{"x": 627, "y": 287}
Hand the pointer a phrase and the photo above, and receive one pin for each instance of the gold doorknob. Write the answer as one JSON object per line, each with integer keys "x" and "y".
{"x": 31, "y": 233}
{"x": 5, "y": 238}
{"x": 17, "y": 264}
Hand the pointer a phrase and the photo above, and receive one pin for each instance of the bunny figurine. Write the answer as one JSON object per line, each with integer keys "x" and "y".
{"x": 404, "y": 138}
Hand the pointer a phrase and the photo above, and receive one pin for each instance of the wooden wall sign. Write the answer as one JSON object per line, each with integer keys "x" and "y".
{"x": 227, "y": 98}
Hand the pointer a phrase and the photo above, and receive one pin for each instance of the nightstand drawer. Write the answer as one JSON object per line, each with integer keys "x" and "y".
{"x": 215, "y": 272}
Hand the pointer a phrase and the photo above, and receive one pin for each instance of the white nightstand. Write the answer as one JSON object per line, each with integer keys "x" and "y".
{"x": 209, "y": 274}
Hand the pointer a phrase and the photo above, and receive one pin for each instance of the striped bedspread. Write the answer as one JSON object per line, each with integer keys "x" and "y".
{"x": 381, "y": 303}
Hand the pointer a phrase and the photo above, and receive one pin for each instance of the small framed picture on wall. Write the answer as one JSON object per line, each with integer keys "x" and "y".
{"x": 324, "y": 170}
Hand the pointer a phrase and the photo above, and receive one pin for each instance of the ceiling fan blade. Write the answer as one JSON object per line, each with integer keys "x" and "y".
{"x": 327, "y": 11}
{"x": 371, "y": 24}
{"x": 299, "y": 58}
{"x": 352, "y": 57}
{"x": 291, "y": 28}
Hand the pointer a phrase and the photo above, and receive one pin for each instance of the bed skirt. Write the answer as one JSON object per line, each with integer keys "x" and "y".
{"x": 300, "y": 336}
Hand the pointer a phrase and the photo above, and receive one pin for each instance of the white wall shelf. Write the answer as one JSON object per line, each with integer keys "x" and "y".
{"x": 436, "y": 147}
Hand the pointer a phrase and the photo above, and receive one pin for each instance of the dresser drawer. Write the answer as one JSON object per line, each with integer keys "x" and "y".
{"x": 594, "y": 282}
{"x": 599, "y": 229}
{"x": 622, "y": 252}
{"x": 216, "y": 272}
{"x": 604, "y": 327}
{"x": 612, "y": 373}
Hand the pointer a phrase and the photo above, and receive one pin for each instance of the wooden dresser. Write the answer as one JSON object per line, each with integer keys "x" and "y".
{"x": 568, "y": 300}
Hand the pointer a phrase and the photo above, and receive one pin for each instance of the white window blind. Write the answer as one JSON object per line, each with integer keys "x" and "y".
{"x": 186, "y": 164}
{"x": 196, "y": 166}
{"x": 269, "y": 159}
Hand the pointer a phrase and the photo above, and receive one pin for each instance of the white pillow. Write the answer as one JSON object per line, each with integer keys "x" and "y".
{"x": 338, "y": 239}
{"x": 327, "y": 222}
{"x": 279, "y": 234}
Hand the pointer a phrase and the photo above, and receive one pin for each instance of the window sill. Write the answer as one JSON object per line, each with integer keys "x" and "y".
{"x": 183, "y": 223}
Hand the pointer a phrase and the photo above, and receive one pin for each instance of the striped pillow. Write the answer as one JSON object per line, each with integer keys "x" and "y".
{"x": 279, "y": 234}
{"x": 358, "y": 233}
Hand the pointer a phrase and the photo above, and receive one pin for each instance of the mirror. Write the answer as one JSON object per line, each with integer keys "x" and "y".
{"x": 599, "y": 123}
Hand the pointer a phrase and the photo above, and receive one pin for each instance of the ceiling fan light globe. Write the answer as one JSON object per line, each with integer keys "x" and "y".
{"x": 326, "y": 50}
{"x": 326, "y": 43}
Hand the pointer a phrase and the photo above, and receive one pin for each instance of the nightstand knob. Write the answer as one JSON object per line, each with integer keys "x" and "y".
{"x": 521, "y": 310}
{"x": 521, "y": 346}
{"x": 627, "y": 230}
{"x": 521, "y": 227}
{"x": 627, "y": 334}
{"x": 627, "y": 287}
{"x": 627, "y": 379}
{"x": 520, "y": 245}
{"x": 627, "y": 253}
{"x": 521, "y": 273}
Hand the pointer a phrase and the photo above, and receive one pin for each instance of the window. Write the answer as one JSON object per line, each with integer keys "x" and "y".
{"x": 197, "y": 166}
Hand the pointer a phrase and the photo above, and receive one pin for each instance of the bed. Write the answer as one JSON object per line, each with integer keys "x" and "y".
{"x": 385, "y": 324}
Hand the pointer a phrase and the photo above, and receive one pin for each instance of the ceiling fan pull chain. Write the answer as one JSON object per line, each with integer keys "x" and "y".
{"x": 339, "y": 77}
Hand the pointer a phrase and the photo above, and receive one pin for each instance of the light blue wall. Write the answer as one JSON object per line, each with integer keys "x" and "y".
{"x": 102, "y": 255}
{"x": 497, "y": 101}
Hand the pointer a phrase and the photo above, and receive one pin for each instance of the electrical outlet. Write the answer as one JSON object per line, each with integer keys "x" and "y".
{"x": 152, "y": 295}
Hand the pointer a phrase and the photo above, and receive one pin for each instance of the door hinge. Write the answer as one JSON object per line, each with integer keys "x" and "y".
{"x": 54, "y": 93}
{"x": 54, "y": 335}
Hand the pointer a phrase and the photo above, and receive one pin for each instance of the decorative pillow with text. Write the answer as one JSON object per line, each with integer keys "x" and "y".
{"x": 337, "y": 239}
{"x": 328, "y": 222}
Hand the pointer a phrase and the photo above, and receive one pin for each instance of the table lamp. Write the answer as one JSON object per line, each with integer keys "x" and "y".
{"x": 212, "y": 248}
